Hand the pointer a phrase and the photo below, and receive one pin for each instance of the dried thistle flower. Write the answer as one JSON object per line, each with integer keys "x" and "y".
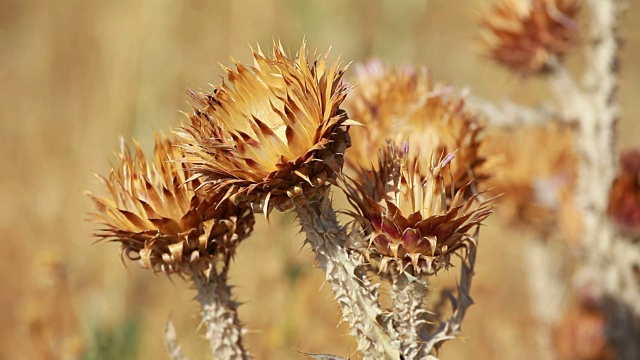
{"x": 162, "y": 222}
{"x": 624, "y": 200}
{"x": 535, "y": 170}
{"x": 403, "y": 105}
{"x": 274, "y": 132}
{"x": 526, "y": 35}
{"x": 407, "y": 216}
{"x": 582, "y": 334}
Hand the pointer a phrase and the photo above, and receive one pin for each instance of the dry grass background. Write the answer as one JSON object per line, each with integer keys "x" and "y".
{"x": 76, "y": 74}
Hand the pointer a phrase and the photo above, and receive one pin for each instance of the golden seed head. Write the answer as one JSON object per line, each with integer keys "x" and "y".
{"x": 407, "y": 215}
{"x": 403, "y": 105}
{"x": 535, "y": 169}
{"x": 526, "y": 35}
{"x": 163, "y": 222}
{"x": 273, "y": 132}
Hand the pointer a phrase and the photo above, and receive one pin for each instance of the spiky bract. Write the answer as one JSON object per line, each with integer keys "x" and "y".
{"x": 160, "y": 220}
{"x": 403, "y": 105}
{"x": 526, "y": 35}
{"x": 407, "y": 216}
{"x": 274, "y": 134}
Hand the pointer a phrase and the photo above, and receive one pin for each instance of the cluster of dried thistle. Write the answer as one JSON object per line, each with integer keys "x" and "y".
{"x": 412, "y": 158}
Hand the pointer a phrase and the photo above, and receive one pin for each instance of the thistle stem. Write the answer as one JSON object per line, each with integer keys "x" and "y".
{"x": 171, "y": 341}
{"x": 451, "y": 328}
{"x": 408, "y": 312}
{"x": 547, "y": 284}
{"x": 353, "y": 291}
{"x": 220, "y": 316}
{"x": 508, "y": 114}
{"x": 611, "y": 258}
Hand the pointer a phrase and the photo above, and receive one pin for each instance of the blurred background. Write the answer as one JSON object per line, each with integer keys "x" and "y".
{"x": 75, "y": 75}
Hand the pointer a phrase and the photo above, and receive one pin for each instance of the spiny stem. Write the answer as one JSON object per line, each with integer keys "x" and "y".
{"x": 451, "y": 328}
{"x": 547, "y": 284}
{"x": 408, "y": 312}
{"x": 598, "y": 111}
{"x": 171, "y": 340}
{"x": 509, "y": 114}
{"x": 610, "y": 257}
{"x": 220, "y": 316}
{"x": 354, "y": 292}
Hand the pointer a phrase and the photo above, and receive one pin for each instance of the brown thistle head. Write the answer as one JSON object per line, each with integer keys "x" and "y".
{"x": 274, "y": 134}
{"x": 535, "y": 168}
{"x": 624, "y": 199}
{"x": 163, "y": 222}
{"x": 403, "y": 105}
{"x": 582, "y": 334}
{"x": 526, "y": 35}
{"x": 407, "y": 217}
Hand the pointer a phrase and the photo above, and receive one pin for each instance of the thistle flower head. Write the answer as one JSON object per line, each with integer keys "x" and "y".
{"x": 624, "y": 199}
{"x": 273, "y": 132}
{"x": 581, "y": 334}
{"x": 162, "y": 222}
{"x": 535, "y": 170}
{"x": 525, "y": 35}
{"x": 403, "y": 105}
{"x": 407, "y": 215}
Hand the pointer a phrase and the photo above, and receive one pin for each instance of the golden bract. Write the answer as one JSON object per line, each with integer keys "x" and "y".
{"x": 407, "y": 215}
{"x": 273, "y": 132}
{"x": 525, "y": 35}
{"x": 163, "y": 222}
{"x": 403, "y": 105}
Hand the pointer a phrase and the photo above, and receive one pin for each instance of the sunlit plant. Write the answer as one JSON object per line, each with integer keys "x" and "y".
{"x": 274, "y": 135}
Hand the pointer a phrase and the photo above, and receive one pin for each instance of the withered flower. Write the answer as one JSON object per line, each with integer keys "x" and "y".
{"x": 163, "y": 222}
{"x": 624, "y": 200}
{"x": 535, "y": 170}
{"x": 274, "y": 132}
{"x": 402, "y": 104}
{"x": 526, "y": 35}
{"x": 407, "y": 216}
{"x": 582, "y": 334}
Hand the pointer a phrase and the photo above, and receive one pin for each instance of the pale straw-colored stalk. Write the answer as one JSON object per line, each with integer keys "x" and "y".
{"x": 220, "y": 316}
{"x": 408, "y": 312}
{"x": 174, "y": 349}
{"x": 355, "y": 294}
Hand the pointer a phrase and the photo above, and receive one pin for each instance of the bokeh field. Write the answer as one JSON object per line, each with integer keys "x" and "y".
{"x": 75, "y": 75}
